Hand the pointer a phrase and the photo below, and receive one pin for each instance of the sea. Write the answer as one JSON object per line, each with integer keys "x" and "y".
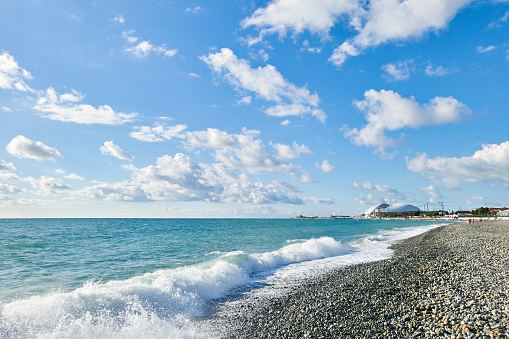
{"x": 156, "y": 278}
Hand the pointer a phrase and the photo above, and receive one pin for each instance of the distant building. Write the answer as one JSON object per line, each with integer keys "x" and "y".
{"x": 374, "y": 210}
{"x": 503, "y": 213}
{"x": 379, "y": 209}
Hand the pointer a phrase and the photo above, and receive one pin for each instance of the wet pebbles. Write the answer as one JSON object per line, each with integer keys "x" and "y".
{"x": 451, "y": 282}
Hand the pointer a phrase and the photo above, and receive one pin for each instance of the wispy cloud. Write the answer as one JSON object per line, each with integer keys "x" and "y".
{"x": 12, "y": 76}
{"x": 143, "y": 48}
{"x": 67, "y": 107}
{"x": 110, "y": 148}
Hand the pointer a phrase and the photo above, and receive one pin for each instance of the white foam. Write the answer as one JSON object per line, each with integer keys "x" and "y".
{"x": 158, "y": 304}
{"x": 162, "y": 304}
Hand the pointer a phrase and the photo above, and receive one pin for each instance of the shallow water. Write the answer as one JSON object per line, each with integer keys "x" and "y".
{"x": 96, "y": 278}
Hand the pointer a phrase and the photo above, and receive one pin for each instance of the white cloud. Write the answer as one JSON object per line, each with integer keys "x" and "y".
{"x": 285, "y": 123}
{"x": 295, "y": 110}
{"x": 66, "y": 107}
{"x": 378, "y": 194}
{"x": 194, "y": 75}
{"x": 387, "y": 21}
{"x": 12, "y": 76}
{"x": 120, "y": 19}
{"x": 491, "y": 163}
{"x": 7, "y": 167}
{"x": 236, "y": 151}
{"x": 499, "y": 22}
{"x": 195, "y": 10}
{"x": 245, "y": 100}
{"x": 437, "y": 71}
{"x": 383, "y": 189}
{"x": 343, "y": 52}
{"x": 179, "y": 179}
{"x": 211, "y": 138}
{"x": 266, "y": 82}
{"x": 476, "y": 200}
{"x": 23, "y": 147}
{"x": 287, "y": 152}
{"x": 389, "y": 111}
{"x": 281, "y": 16}
{"x": 74, "y": 176}
{"x": 48, "y": 185}
{"x": 5, "y": 108}
{"x": 325, "y": 166}
{"x": 110, "y": 148}
{"x": 481, "y": 49}
{"x": 143, "y": 48}
{"x": 243, "y": 152}
{"x": 157, "y": 133}
{"x": 433, "y": 192}
{"x": 400, "y": 70}
{"x": 7, "y": 176}
{"x": 8, "y": 189}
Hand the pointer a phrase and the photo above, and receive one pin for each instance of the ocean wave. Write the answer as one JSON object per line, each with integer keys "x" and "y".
{"x": 157, "y": 304}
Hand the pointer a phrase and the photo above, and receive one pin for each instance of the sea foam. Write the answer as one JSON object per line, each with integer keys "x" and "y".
{"x": 157, "y": 304}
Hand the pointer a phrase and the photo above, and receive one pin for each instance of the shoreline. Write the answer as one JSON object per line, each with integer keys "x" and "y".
{"x": 449, "y": 282}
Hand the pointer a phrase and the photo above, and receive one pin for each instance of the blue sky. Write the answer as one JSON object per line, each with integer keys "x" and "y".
{"x": 251, "y": 108}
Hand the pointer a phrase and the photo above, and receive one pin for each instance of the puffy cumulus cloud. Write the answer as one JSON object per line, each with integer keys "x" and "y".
{"x": 121, "y": 191}
{"x": 157, "y": 133}
{"x": 178, "y": 178}
{"x": 287, "y": 152}
{"x": 375, "y": 22}
{"x": 4, "y": 188}
{"x": 387, "y": 110}
{"x": 244, "y": 152}
{"x": 66, "y": 107}
{"x": 22, "y": 147}
{"x": 491, "y": 163}
{"x": 325, "y": 166}
{"x": 110, "y": 148}
{"x": 209, "y": 139}
{"x": 385, "y": 21}
{"x": 47, "y": 185}
{"x": 143, "y": 48}
{"x": 12, "y": 76}
{"x": 250, "y": 154}
{"x": 281, "y": 16}
{"x": 267, "y": 83}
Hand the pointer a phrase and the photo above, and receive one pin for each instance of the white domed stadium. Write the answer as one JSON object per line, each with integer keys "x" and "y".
{"x": 374, "y": 210}
{"x": 386, "y": 208}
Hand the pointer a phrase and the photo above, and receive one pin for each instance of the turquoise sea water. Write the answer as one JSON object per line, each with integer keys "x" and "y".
{"x": 97, "y": 278}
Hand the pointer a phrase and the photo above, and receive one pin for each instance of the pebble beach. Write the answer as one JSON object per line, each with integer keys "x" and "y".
{"x": 450, "y": 282}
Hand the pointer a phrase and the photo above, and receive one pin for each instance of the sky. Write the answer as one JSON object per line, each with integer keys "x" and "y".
{"x": 270, "y": 109}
